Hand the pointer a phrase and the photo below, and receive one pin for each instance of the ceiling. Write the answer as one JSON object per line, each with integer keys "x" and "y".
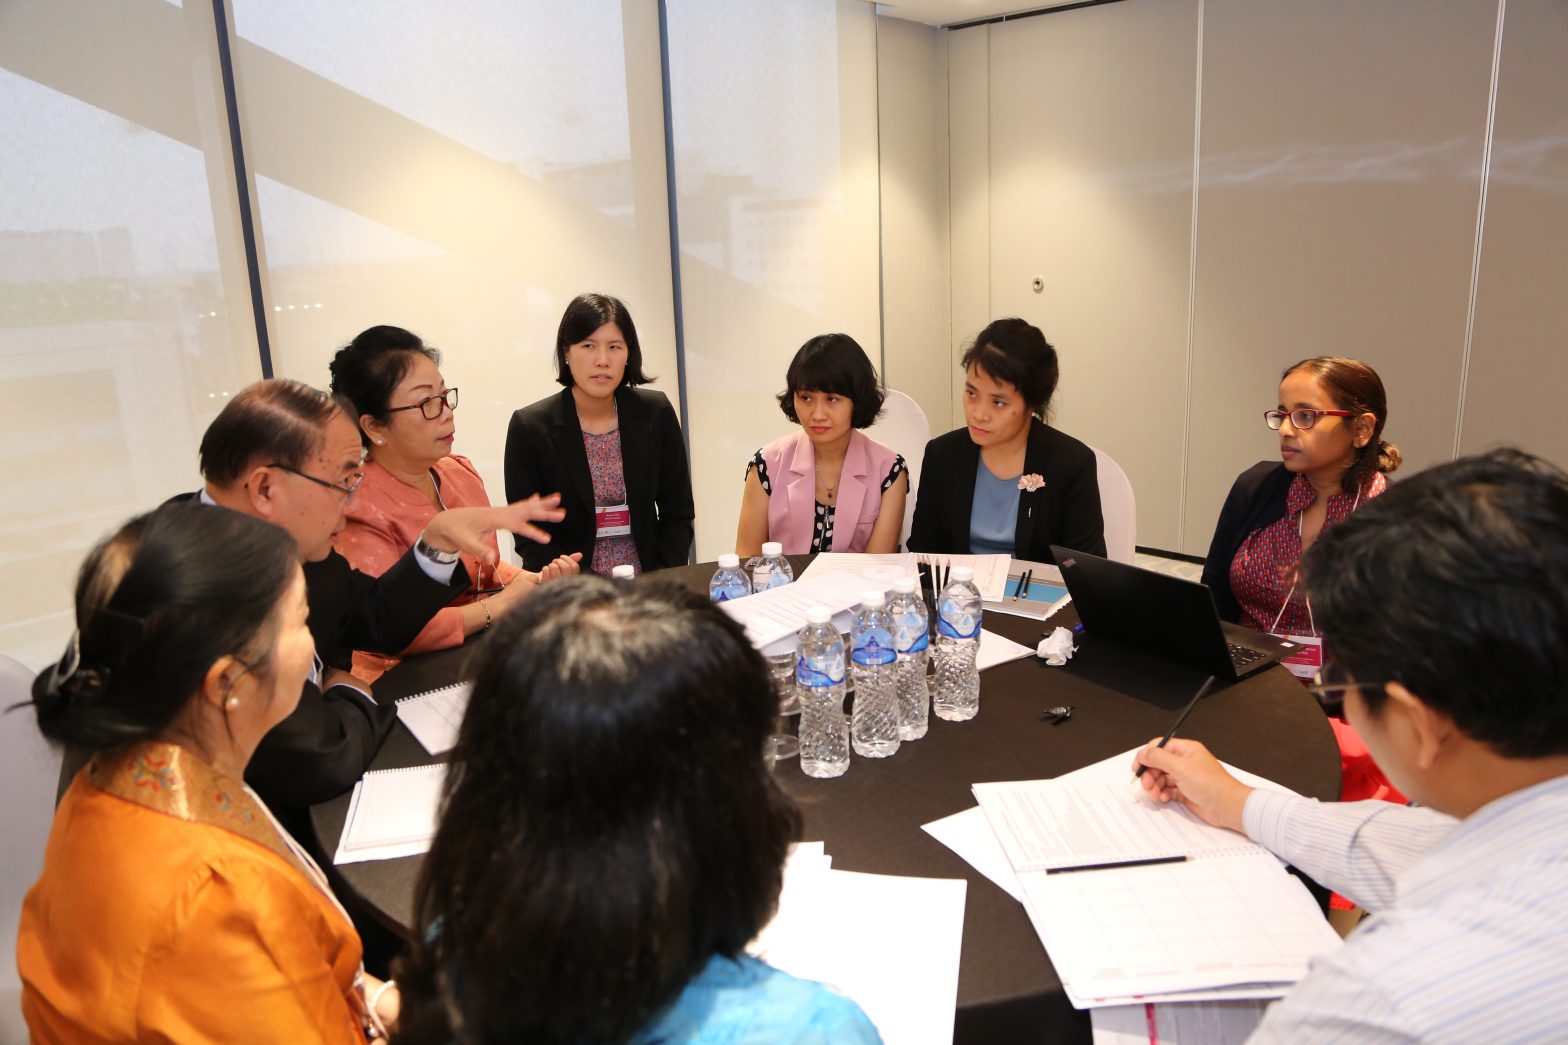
{"x": 957, "y": 12}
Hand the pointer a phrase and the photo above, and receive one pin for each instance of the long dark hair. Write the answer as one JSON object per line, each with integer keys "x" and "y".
{"x": 1353, "y": 385}
{"x": 157, "y": 604}
{"x": 608, "y": 824}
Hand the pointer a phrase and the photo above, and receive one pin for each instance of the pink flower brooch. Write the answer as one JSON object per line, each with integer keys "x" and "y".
{"x": 1031, "y": 482}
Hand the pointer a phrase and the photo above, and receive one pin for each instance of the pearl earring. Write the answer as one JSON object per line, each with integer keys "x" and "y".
{"x": 234, "y": 702}
{"x": 381, "y": 442}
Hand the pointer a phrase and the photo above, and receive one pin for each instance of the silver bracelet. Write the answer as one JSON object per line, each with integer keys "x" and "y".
{"x": 436, "y": 556}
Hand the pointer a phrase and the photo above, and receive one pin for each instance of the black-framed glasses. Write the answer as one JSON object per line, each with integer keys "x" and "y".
{"x": 348, "y": 489}
{"x": 1330, "y": 685}
{"x": 430, "y": 406}
{"x": 1303, "y": 418}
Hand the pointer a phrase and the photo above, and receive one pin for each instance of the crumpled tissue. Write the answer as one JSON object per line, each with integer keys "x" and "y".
{"x": 1056, "y": 648}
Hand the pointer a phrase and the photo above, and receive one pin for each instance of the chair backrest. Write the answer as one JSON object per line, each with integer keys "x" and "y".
{"x": 26, "y": 806}
{"x": 1118, "y": 507}
{"x": 904, "y": 428}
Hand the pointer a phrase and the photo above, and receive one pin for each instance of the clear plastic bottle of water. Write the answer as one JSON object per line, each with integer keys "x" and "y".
{"x": 623, "y": 572}
{"x": 778, "y": 569}
{"x": 819, "y": 675}
{"x": 729, "y": 580}
{"x": 957, "y": 696}
{"x": 874, "y": 727}
{"x": 911, "y": 641}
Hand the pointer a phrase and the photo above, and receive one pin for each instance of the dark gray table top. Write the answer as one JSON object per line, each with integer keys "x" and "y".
{"x": 870, "y": 817}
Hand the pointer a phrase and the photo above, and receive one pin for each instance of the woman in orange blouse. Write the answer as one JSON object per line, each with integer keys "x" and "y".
{"x": 172, "y": 906}
{"x": 407, "y": 416}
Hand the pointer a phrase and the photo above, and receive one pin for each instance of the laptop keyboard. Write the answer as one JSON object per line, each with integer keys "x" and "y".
{"x": 1241, "y": 656}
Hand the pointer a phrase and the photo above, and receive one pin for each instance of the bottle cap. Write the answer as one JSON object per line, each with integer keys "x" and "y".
{"x": 873, "y": 599}
{"x": 623, "y": 572}
{"x": 963, "y": 573}
{"x": 772, "y": 548}
{"x": 904, "y": 585}
{"x": 818, "y": 614}
{"x": 728, "y": 561}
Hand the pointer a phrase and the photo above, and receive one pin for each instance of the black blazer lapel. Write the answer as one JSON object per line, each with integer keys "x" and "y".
{"x": 961, "y": 506}
{"x": 566, "y": 441}
{"x": 637, "y": 447}
{"x": 1030, "y": 505}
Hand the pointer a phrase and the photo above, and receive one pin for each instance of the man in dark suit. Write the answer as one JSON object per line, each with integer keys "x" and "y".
{"x": 291, "y": 455}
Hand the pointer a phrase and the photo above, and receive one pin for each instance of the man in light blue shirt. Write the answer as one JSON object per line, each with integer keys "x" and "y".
{"x": 1445, "y": 603}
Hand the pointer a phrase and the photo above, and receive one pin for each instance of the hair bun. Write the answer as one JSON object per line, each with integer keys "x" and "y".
{"x": 1388, "y": 456}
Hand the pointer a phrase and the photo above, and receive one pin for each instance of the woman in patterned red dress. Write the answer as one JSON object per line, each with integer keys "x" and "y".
{"x": 1333, "y": 457}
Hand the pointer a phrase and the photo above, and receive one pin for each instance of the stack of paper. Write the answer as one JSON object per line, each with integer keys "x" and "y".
{"x": 890, "y": 943}
{"x": 1188, "y": 1023}
{"x": 877, "y": 571}
{"x": 392, "y": 813}
{"x": 778, "y": 613}
{"x": 1224, "y": 922}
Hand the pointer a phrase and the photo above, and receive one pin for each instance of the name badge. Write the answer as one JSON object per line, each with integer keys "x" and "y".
{"x": 1307, "y": 661}
{"x": 614, "y": 520}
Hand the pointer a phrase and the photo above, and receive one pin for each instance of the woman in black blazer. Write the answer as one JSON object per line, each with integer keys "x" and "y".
{"x": 1007, "y": 481}
{"x": 612, "y": 450}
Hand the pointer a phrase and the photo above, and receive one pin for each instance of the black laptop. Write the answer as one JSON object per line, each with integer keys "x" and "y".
{"x": 1163, "y": 615}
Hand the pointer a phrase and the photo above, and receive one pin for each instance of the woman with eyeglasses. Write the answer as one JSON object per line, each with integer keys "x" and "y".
{"x": 612, "y": 449}
{"x": 1333, "y": 458}
{"x": 172, "y": 905}
{"x": 407, "y": 421}
{"x": 611, "y": 838}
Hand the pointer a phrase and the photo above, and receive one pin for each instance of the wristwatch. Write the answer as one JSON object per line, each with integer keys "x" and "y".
{"x": 440, "y": 558}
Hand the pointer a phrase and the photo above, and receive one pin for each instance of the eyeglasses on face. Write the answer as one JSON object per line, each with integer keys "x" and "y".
{"x": 1330, "y": 685}
{"x": 430, "y": 406}
{"x": 348, "y": 489}
{"x": 1301, "y": 419}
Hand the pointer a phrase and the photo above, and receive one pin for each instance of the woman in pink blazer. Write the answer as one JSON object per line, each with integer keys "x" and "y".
{"x": 827, "y": 487}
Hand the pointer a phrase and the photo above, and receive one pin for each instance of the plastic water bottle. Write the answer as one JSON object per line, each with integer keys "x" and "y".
{"x": 772, "y": 568}
{"x": 819, "y": 677}
{"x": 911, "y": 641}
{"x": 781, "y": 666}
{"x": 957, "y": 696}
{"x": 623, "y": 572}
{"x": 874, "y": 728}
{"x": 729, "y": 580}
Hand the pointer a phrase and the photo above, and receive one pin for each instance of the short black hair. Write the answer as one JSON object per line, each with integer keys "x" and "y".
{"x": 159, "y": 602}
{"x": 276, "y": 421}
{"x": 834, "y": 364}
{"x": 1454, "y": 583}
{"x": 608, "y": 802}
{"x": 587, "y": 313}
{"x": 366, "y": 371}
{"x": 1016, "y": 352}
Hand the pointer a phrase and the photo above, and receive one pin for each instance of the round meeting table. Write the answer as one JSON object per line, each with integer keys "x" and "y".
{"x": 869, "y": 819}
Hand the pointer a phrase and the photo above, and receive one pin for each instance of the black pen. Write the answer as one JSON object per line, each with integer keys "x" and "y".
{"x": 1146, "y": 862}
{"x": 1180, "y": 719}
{"x": 1023, "y": 584}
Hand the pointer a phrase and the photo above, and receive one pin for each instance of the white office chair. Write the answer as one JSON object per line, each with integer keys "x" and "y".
{"x": 1118, "y": 507}
{"x": 26, "y": 808}
{"x": 904, "y": 428}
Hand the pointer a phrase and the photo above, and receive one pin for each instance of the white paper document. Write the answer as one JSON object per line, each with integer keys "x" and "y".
{"x": 779, "y": 613}
{"x": 1226, "y": 919}
{"x": 435, "y": 716}
{"x": 1190, "y": 1023}
{"x": 990, "y": 571}
{"x": 996, "y": 649}
{"x": 903, "y": 973}
{"x": 392, "y": 813}
{"x": 878, "y": 571}
{"x": 969, "y": 835}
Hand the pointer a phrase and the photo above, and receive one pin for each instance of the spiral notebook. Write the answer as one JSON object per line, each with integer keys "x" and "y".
{"x": 392, "y": 813}
{"x": 435, "y": 716}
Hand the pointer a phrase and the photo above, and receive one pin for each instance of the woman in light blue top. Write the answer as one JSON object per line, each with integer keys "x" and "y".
{"x": 611, "y": 839}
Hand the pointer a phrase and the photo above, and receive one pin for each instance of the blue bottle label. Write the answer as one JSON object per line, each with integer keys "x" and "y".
{"x": 814, "y": 677}
{"x": 873, "y": 647}
{"x": 959, "y": 625}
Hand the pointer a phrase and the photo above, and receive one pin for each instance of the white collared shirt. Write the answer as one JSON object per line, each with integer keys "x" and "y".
{"x": 1469, "y": 937}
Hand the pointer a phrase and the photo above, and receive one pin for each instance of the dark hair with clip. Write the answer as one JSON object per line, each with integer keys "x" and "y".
{"x": 157, "y": 604}
{"x": 368, "y": 369}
